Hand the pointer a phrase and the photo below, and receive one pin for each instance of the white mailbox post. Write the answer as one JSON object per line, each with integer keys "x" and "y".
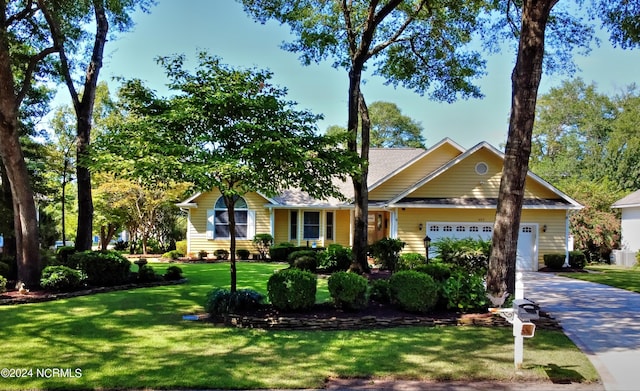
{"x": 520, "y": 316}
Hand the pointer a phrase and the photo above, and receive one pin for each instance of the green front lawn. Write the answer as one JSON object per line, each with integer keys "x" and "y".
{"x": 137, "y": 339}
{"x": 616, "y": 276}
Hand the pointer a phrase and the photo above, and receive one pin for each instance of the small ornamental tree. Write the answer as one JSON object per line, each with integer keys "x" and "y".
{"x": 226, "y": 129}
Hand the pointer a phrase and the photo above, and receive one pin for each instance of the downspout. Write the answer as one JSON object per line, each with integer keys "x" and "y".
{"x": 566, "y": 239}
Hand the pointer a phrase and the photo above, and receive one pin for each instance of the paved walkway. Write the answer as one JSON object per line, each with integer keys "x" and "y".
{"x": 604, "y": 322}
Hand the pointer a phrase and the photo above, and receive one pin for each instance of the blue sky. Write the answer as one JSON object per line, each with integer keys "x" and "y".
{"x": 223, "y": 29}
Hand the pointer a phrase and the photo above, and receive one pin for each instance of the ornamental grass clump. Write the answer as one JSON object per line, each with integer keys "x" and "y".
{"x": 413, "y": 291}
{"x": 292, "y": 289}
{"x": 348, "y": 290}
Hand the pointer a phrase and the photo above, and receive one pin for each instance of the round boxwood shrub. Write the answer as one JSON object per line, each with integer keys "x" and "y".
{"x": 413, "y": 291}
{"x": 577, "y": 259}
{"x": 335, "y": 258}
{"x": 348, "y": 290}
{"x": 554, "y": 261}
{"x": 102, "y": 268}
{"x": 60, "y": 278}
{"x": 221, "y": 301}
{"x": 173, "y": 273}
{"x": 437, "y": 270}
{"x": 292, "y": 289}
{"x": 291, "y": 258}
{"x": 306, "y": 262}
{"x": 147, "y": 274}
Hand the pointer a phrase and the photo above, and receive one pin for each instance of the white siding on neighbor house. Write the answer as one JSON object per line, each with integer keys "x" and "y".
{"x": 630, "y": 229}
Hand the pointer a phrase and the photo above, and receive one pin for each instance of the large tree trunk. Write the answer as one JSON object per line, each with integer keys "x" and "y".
{"x": 359, "y": 180}
{"x": 230, "y": 202}
{"x": 84, "y": 112}
{"x": 24, "y": 207}
{"x": 525, "y": 81}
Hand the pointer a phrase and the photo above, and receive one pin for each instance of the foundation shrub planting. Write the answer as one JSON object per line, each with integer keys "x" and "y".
{"x": 292, "y": 289}
{"x": 413, "y": 291}
{"x": 348, "y": 290}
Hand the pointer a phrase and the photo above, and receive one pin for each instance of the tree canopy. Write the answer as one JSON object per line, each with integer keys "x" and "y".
{"x": 222, "y": 128}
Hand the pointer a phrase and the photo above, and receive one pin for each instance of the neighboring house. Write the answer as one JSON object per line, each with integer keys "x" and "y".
{"x": 444, "y": 191}
{"x": 630, "y": 227}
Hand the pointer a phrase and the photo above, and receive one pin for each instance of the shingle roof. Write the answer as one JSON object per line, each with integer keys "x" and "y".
{"x": 631, "y": 200}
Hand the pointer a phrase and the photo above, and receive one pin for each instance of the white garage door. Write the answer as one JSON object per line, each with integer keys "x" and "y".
{"x": 526, "y": 259}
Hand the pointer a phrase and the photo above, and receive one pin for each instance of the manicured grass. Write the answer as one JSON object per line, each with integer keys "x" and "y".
{"x": 616, "y": 276}
{"x": 137, "y": 339}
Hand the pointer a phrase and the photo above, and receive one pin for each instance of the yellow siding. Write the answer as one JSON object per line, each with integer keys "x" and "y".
{"x": 343, "y": 227}
{"x": 462, "y": 180}
{"x": 551, "y": 241}
{"x": 281, "y": 226}
{"x": 414, "y": 173}
{"x": 197, "y": 227}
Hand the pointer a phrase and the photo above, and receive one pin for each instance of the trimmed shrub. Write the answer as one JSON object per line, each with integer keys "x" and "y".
{"x": 306, "y": 262}
{"x": 298, "y": 253}
{"x": 147, "y": 274}
{"x": 554, "y": 261}
{"x": 464, "y": 292}
{"x": 577, "y": 259}
{"x": 102, "y": 268}
{"x": 221, "y": 254}
{"x": 437, "y": 270}
{"x": 220, "y": 301}
{"x": 292, "y": 289}
{"x": 379, "y": 291}
{"x": 410, "y": 261}
{"x": 386, "y": 252}
{"x": 181, "y": 247}
{"x": 217, "y": 302}
{"x": 335, "y": 258}
{"x": 173, "y": 254}
{"x": 413, "y": 291}
{"x": 173, "y": 273}
{"x": 280, "y": 252}
{"x": 60, "y": 278}
{"x": 348, "y": 290}
{"x": 243, "y": 254}
{"x": 63, "y": 253}
{"x": 3, "y": 284}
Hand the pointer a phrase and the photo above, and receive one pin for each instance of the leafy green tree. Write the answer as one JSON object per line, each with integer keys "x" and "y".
{"x": 419, "y": 44}
{"x": 226, "y": 129}
{"x": 390, "y": 128}
{"x": 68, "y": 30}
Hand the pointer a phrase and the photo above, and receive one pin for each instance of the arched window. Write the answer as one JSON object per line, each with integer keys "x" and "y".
{"x": 218, "y": 220}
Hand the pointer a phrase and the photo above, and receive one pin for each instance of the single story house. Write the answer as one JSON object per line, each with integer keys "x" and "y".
{"x": 630, "y": 229}
{"x": 443, "y": 191}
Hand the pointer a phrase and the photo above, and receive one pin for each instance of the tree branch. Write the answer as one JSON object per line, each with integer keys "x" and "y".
{"x": 58, "y": 42}
{"x": 31, "y": 67}
{"x": 395, "y": 38}
{"x": 26, "y": 13}
{"x": 351, "y": 39}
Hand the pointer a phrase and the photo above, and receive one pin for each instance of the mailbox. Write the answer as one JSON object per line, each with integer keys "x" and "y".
{"x": 526, "y": 310}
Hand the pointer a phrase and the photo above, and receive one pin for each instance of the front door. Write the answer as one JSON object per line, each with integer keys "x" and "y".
{"x": 378, "y": 226}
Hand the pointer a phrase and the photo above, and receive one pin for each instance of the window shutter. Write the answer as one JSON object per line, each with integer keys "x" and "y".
{"x": 251, "y": 224}
{"x": 210, "y": 223}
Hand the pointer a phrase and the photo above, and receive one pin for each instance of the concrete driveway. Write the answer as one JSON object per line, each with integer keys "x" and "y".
{"x": 604, "y": 322}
